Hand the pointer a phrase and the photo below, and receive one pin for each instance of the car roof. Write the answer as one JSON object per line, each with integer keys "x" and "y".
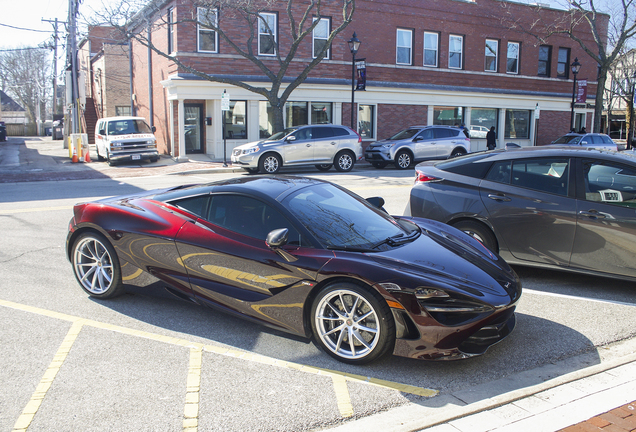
{"x": 121, "y": 118}
{"x": 558, "y": 150}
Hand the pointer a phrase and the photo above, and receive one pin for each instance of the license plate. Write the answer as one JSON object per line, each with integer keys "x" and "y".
{"x": 136, "y": 157}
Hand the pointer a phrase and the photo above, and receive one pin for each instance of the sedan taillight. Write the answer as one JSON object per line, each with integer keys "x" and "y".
{"x": 420, "y": 177}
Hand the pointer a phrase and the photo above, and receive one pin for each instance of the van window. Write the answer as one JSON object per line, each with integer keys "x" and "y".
{"x": 128, "y": 126}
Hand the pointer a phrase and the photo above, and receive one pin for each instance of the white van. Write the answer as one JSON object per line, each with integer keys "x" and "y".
{"x": 125, "y": 139}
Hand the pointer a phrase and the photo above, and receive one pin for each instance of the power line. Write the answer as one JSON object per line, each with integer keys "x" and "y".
{"x": 26, "y": 29}
{"x": 24, "y": 49}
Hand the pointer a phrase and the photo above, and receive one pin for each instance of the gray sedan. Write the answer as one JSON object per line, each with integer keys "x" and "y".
{"x": 560, "y": 208}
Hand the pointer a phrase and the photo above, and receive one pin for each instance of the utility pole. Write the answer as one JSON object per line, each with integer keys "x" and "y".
{"x": 55, "y": 23}
{"x": 72, "y": 46}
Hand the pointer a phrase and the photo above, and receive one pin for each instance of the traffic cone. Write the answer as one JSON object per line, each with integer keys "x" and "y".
{"x": 87, "y": 155}
{"x": 74, "y": 159}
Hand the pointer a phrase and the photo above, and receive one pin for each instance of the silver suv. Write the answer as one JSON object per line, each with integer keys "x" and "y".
{"x": 323, "y": 145}
{"x": 418, "y": 143}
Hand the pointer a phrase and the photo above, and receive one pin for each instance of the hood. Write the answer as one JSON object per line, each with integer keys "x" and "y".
{"x": 446, "y": 257}
{"x": 249, "y": 145}
{"x": 381, "y": 142}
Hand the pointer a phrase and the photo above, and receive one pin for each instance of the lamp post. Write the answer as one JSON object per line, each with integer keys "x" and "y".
{"x": 354, "y": 45}
{"x": 575, "y": 70}
{"x": 630, "y": 136}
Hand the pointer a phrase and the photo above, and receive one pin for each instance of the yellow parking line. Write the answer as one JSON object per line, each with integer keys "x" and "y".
{"x": 32, "y": 407}
{"x": 342, "y": 396}
{"x": 35, "y": 209}
{"x": 404, "y": 388}
{"x": 191, "y": 411}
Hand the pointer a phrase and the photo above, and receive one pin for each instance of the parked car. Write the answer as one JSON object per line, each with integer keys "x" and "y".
{"x": 322, "y": 145}
{"x": 564, "y": 208}
{"x": 478, "y": 131}
{"x": 125, "y": 139}
{"x": 589, "y": 140}
{"x": 303, "y": 256}
{"x": 418, "y": 143}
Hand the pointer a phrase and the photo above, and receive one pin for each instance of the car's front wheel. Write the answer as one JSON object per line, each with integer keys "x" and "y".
{"x": 403, "y": 159}
{"x": 344, "y": 161}
{"x": 324, "y": 167}
{"x": 96, "y": 266}
{"x": 270, "y": 163}
{"x": 352, "y": 323}
{"x": 479, "y": 232}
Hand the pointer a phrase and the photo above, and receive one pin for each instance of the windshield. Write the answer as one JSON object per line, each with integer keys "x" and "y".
{"x": 125, "y": 127}
{"x": 405, "y": 134}
{"x": 568, "y": 139}
{"x": 340, "y": 220}
{"x": 280, "y": 135}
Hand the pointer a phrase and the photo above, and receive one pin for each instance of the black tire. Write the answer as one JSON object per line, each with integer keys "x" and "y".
{"x": 251, "y": 170}
{"x": 457, "y": 152}
{"x": 270, "y": 163}
{"x": 96, "y": 266}
{"x": 358, "y": 342}
{"x": 403, "y": 159}
{"x": 154, "y": 159}
{"x": 479, "y": 232}
{"x": 344, "y": 161}
{"x": 379, "y": 165}
{"x": 109, "y": 160}
{"x": 324, "y": 167}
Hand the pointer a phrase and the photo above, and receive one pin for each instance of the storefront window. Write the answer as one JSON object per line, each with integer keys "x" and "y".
{"x": 449, "y": 116}
{"x": 517, "y": 124}
{"x": 236, "y": 120}
{"x": 265, "y": 119}
{"x": 366, "y": 121}
{"x": 481, "y": 120}
{"x": 321, "y": 112}
{"x": 296, "y": 114}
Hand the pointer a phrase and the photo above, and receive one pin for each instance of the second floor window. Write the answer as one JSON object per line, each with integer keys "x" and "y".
{"x": 455, "y": 51}
{"x": 512, "y": 61}
{"x": 170, "y": 19}
{"x": 320, "y": 36}
{"x": 404, "y": 46}
{"x": 564, "y": 63}
{"x": 208, "y": 38}
{"x": 430, "y": 49}
{"x": 545, "y": 52}
{"x": 492, "y": 48}
{"x": 267, "y": 34}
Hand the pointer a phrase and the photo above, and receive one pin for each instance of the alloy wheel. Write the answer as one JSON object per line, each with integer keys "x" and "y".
{"x": 93, "y": 265}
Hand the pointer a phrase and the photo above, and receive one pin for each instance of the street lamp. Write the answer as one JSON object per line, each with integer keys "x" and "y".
{"x": 575, "y": 70}
{"x": 354, "y": 45}
{"x": 630, "y": 136}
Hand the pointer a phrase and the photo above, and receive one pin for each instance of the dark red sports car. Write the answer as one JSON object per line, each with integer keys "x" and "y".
{"x": 304, "y": 256}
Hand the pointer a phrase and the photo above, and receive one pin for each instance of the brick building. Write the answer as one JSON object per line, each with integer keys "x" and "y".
{"x": 427, "y": 62}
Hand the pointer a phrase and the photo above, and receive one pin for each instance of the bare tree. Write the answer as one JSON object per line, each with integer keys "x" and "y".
{"x": 616, "y": 19}
{"x": 25, "y": 73}
{"x": 223, "y": 16}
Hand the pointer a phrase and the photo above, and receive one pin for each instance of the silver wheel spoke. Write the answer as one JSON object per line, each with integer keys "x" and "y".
{"x": 361, "y": 339}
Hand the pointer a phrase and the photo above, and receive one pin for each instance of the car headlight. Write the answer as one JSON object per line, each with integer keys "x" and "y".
{"x": 388, "y": 145}
{"x": 251, "y": 150}
{"x": 151, "y": 142}
{"x": 448, "y": 310}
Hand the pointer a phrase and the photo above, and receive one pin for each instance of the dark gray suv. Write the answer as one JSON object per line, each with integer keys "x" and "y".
{"x": 418, "y": 143}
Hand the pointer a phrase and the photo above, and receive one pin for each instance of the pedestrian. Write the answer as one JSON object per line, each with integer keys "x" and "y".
{"x": 582, "y": 130}
{"x": 491, "y": 139}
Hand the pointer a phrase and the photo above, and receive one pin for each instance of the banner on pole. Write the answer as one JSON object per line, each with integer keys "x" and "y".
{"x": 581, "y": 91}
{"x": 361, "y": 75}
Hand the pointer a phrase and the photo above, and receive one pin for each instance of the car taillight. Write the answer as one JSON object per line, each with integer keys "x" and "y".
{"x": 420, "y": 177}
{"x": 359, "y": 137}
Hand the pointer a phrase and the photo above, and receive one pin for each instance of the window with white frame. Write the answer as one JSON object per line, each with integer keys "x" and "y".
{"x": 455, "y": 51}
{"x": 208, "y": 39}
{"x": 267, "y": 33}
{"x": 366, "y": 121}
{"x": 320, "y": 36}
{"x": 492, "y": 48}
{"x": 431, "y": 44}
{"x": 170, "y": 19}
{"x": 404, "y": 47}
{"x": 512, "y": 61}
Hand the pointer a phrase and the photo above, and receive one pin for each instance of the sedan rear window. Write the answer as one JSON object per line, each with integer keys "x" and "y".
{"x": 472, "y": 165}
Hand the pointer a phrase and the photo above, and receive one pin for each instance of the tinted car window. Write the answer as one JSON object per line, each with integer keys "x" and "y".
{"x": 500, "y": 172}
{"x": 467, "y": 165}
{"x": 443, "y": 133}
{"x": 606, "y": 139}
{"x": 545, "y": 175}
{"x": 321, "y": 132}
{"x": 610, "y": 183}
{"x": 338, "y": 131}
{"x": 405, "y": 134}
{"x": 303, "y": 134}
{"x": 568, "y": 139}
{"x": 195, "y": 205}
{"x": 249, "y": 216}
{"x": 426, "y": 134}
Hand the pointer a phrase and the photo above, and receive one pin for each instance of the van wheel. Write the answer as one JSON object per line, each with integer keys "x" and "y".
{"x": 109, "y": 160}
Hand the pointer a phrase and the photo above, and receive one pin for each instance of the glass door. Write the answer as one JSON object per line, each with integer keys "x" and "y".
{"x": 193, "y": 128}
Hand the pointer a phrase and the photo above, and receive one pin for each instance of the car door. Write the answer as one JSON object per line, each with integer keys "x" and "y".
{"x": 424, "y": 145}
{"x": 605, "y": 238}
{"x": 445, "y": 142}
{"x": 325, "y": 144}
{"x": 300, "y": 149}
{"x": 530, "y": 208}
{"x": 230, "y": 265}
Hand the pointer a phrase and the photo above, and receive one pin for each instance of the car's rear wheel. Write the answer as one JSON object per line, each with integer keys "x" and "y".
{"x": 403, "y": 159}
{"x": 352, "y": 323}
{"x": 96, "y": 266}
{"x": 479, "y": 232}
{"x": 324, "y": 167}
{"x": 379, "y": 165}
{"x": 270, "y": 163}
{"x": 344, "y": 161}
{"x": 457, "y": 153}
{"x": 251, "y": 170}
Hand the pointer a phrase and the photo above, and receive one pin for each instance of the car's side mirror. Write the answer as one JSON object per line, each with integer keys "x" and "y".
{"x": 583, "y": 143}
{"x": 418, "y": 138}
{"x": 277, "y": 238}
{"x": 290, "y": 138}
{"x": 377, "y": 202}
{"x": 102, "y": 132}
{"x": 154, "y": 129}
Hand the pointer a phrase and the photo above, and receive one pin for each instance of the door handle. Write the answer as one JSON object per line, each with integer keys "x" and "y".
{"x": 333, "y": 143}
{"x": 501, "y": 198}
{"x": 308, "y": 145}
{"x": 592, "y": 214}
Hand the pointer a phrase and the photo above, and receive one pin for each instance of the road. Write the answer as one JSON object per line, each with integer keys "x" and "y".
{"x": 146, "y": 361}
